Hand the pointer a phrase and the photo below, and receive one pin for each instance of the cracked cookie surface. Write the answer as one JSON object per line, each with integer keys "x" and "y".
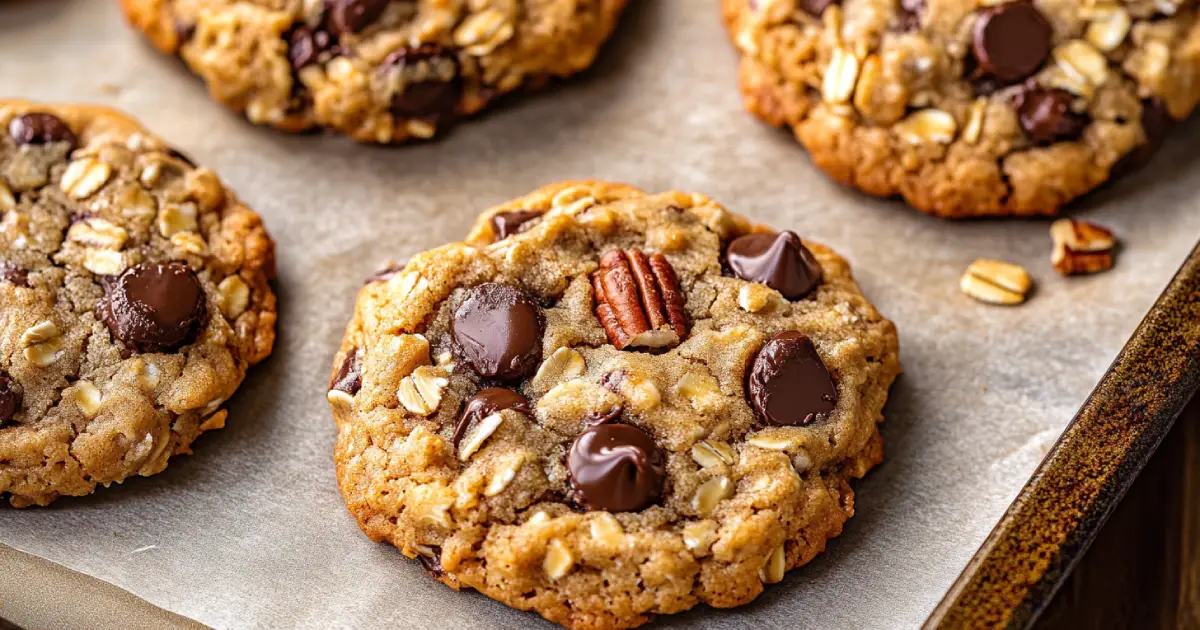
{"x": 970, "y": 108}
{"x": 384, "y": 71}
{"x": 135, "y": 295}
{"x": 602, "y": 407}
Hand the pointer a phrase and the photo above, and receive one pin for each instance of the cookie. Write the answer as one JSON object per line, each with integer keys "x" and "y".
{"x": 134, "y": 292}
{"x": 968, "y": 108}
{"x": 384, "y": 71}
{"x": 607, "y": 405}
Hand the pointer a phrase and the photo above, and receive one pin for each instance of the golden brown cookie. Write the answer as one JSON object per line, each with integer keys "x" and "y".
{"x": 135, "y": 294}
{"x": 383, "y": 71}
{"x": 607, "y": 405}
{"x": 971, "y": 108}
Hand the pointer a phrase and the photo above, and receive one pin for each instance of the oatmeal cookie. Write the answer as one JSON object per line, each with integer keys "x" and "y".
{"x": 134, "y": 295}
{"x": 383, "y": 71}
{"x": 607, "y": 405}
{"x": 971, "y": 108}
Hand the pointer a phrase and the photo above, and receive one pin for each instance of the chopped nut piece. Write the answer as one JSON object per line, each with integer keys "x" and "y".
{"x": 215, "y": 421}
{"x": 1109, "y": 27}
{"x": 88, "y": 397}
{"x": 1081, "y": 247}
{"x": 1079, "y": 59}
{"x": 996, "y": 282}
{"x": 755, "y": 297}
{"x": 607, "y": 529}
{"x": 7, "y": 200}
{"x": 104, "y": 262}
{"x": 700, "y": 389}
{"x": 97, "y": 232}
{"x": 698, "y": 536}
{"x": 558, "y": 561}
{"x": 173, "y": 219}
{"x": 39, "y": 333}
{"x": 235, "y": 296}
{"x": 45, "y": 353}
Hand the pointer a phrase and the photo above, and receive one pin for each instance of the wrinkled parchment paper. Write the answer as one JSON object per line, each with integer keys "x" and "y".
{"x": 250, "y": 531}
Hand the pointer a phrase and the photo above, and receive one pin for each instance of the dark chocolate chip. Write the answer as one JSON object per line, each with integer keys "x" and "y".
{"x": 39, "y": 128}
{"x": 184, "y": 31}
{"x": 779, "y": 261}
{"x": 603, "y": 417}
{"x": 485, "y": 403}
{"x": 815, "y": 7}
{"x": 505, "y": 224}
{"x": 788, "y": 384}
{"x": 432, "y": 564}
{"x": 12, "y": 273}
{"x": 307, "y": 46}
{"x": 908, "y": 18}
{"x": 616, "y": 467}
{"x": 429, "y": 80}
{"x": 1156, "y": 124}
{"x": 497, "y": 332}
{"x": 10, "y": 399}
{"x": 1011, "y": 41}
{"x": 1046, "y": 117}
{"x": 153, "y": 307}
{"x": 352, "y": 16}
{"x": 388, "y": 272}
{"x": 349, "y": 375}
{"x": 181, "y": 156}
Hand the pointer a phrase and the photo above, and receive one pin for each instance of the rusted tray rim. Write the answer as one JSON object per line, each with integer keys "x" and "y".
{"x": 1047, "y": 529}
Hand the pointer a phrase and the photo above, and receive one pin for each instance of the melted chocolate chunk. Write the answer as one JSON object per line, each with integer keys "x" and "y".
{"x": 430, "y": 83}
{"x": 616, "y": 467}
{"x": 505, "y": 224}
{"x": 485, "y": 403}
{"x": 432, "y": 565}
{"x": 1011, "y": 41}
{"x": 1156, "y": 124}
{"x": 13, "y": 274}
{"x": 39, "y": 128}
{"x": 10, "y": 399}
{"x": 779, "y": 261}
{"x": 352, "y": 16}
{"x": 497, "y": 332}
{"x": 908, "y": 18}
{"x": 788, "y": 384}
{"x": 349, "y": 376}
{"x": 153, "y": 307}
{"x": 388, "y": 272}
{"x": 1046, "y": 117}
{"x": 307, "y": 46}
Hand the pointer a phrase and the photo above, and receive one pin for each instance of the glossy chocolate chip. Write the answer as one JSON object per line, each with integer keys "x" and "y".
{"x": 39, "y": 128}
{"x": 616, "y": 467}
{"x": 352, "y": 16}
{"x": 485, "y": 403}
{"x": 10, "y": 399}
{"x": 349, "y": 375}
{"x": 154, "y": 307}
{"x": 815, "y": 7}
{"x": 497, "y": 332}
{"x": 779, "y": 261}
{"x": 307, "y": 46}
{"x": 1156, "y": 124}
{"x": 505, "y": 224}
{"x": 388, "y": 272}
{"x": 13, "y": 274}
{"x": 1046, "y": 117}
{"x": 1011, "y": 41}
{"x": 431, "y": 85}
{"x": 788, "y": 384}
{"x": 432, "y": 564}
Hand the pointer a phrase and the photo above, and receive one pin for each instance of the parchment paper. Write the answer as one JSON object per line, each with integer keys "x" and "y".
{"x": 251, "y": 532}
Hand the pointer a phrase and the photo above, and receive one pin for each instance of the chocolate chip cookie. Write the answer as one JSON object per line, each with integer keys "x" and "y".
{"x": 383, "y": 71}
{"x": 134, "y": 295}
{"x": 971, "y": 108}
{"x": 607, "y": 405}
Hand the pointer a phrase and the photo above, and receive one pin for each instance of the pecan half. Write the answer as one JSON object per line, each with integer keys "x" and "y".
{"x": 1081, "y": 247}
{"x": 638, "y": 300}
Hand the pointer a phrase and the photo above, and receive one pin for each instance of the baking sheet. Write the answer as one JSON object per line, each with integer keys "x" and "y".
{"x": 251, "y": 532}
